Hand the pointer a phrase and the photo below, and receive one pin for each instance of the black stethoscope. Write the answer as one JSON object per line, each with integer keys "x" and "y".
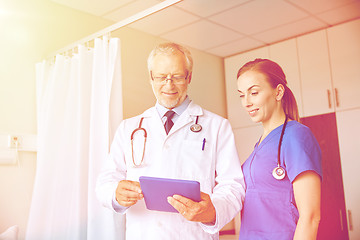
{"x": 280, "y": 172}
{"x": 194, "y": 128}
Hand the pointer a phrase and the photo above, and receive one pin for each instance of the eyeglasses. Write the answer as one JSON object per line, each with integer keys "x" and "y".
{"x": 162, "y": 80}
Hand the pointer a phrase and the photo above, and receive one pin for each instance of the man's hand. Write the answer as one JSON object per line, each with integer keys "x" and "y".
{"x": 128, "y": 193}
{"x": 203, "y": 211}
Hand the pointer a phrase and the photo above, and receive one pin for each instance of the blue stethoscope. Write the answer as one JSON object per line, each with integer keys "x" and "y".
{"x": 279, "y": 172}
{"x": 194, "y": 128}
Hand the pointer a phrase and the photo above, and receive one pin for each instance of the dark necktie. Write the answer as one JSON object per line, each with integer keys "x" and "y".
{"x": 169, "y": 123}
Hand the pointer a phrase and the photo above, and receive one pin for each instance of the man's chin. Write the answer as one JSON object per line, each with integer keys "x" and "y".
{"x": 169, "y": 104}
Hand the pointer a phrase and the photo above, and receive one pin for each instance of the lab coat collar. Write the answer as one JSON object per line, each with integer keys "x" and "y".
{"x": 188, "y": 116}
{"x": 178, "y": 110}
{"x": 192, "y": 110}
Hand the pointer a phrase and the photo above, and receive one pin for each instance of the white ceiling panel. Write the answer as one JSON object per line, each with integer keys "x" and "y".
{"x": 259, "y": 15}
{"x": 202, "y": 35}
{"x": 94, "y": 7}
{"x": 290, "y": 30}
{"x": 226, "y": 27}
{"x": 319, "y": 6}
{"x": 164, "y": 21}
{"x": 237, "y": 46}
{"x": 130, "y": 9}
{"x": 205, "y": 8}
{"x": 342, "y": 14}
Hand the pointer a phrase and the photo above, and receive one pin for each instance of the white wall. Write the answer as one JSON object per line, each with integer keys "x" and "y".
{"x": 29, "y": 31}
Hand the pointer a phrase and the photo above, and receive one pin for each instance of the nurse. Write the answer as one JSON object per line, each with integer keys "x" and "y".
{"x": 283, "y": 184}
{"x": 184, "y": 141}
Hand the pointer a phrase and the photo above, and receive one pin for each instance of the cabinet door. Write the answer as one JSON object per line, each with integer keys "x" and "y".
{"x": 285, "y": 54}
{"x": 237, "y": 116}
{"x": 349, "y": 132}
{"x": 333, "y": 211}
{"x": 315, "y": 75}
{"x": 344, "y": 49}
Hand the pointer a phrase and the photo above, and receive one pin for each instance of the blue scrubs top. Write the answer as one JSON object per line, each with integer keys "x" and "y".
{"x": 269, "y": 210}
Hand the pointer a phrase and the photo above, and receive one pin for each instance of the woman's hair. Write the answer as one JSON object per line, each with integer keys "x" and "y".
{"x": 275, "y": 76}
{"x": 169, "y": 49}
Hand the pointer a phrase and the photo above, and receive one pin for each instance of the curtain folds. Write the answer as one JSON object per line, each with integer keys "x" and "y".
{"x": 77, "y": 114}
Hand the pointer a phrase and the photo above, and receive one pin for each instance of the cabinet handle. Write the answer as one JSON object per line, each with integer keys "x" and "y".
{"x": 351, "y": 227}
{"x": 329, "y": 97}
{"x": 341, "y": 221}
{"x": 337, "y": 98}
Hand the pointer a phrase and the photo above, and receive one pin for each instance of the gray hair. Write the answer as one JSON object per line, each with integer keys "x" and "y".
{"x": 169, "y": 48}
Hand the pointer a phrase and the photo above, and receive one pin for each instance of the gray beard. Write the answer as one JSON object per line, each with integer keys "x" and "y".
{"x": 169, "y": 105}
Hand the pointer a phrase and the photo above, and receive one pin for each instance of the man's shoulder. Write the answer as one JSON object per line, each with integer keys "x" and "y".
{"x": 147, "y": 113}
{"x": 134, "y": 121}
{"x": 202, "y": 112}
{"x": 207, "y": 112}
{"x": 212, "y": 114}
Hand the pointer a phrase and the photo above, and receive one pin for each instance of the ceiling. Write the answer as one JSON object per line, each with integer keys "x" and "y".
{"x": 226, "y": 27}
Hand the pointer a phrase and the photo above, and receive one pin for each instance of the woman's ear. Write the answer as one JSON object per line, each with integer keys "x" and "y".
{"x": 280, "y": 91}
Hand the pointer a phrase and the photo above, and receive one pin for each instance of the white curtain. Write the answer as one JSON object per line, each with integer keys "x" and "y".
{"x": 79, "y": 106}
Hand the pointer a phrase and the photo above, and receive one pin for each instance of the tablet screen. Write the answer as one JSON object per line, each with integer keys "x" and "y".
{"x": 156, "y": 191}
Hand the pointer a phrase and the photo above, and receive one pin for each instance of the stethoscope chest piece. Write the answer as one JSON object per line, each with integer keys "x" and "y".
{"x": 196, "y": 127}
{"x": 279, "y": 173}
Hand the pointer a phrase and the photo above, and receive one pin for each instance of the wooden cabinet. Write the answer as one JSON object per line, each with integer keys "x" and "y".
{"x": 285, "y": 54}
{"x": 344, "y": 51}
{"x": 349, "y": 143}
{"x": 237, "y": 116}
{"x": 315, "y": 74}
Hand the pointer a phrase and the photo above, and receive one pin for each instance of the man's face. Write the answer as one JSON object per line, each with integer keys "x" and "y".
{"x": 169, "y": 94}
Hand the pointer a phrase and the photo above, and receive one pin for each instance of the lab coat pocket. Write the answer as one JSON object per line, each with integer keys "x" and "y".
{"x": 198, "y": 158}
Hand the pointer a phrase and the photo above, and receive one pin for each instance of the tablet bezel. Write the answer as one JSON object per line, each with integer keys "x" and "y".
{"x": 156, "y": 190}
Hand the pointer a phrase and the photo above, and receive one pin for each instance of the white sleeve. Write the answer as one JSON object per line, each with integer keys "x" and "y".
{"x": 112, "y": 172}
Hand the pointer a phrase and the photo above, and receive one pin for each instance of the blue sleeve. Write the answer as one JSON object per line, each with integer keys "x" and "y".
{"x": 300, "y": 151}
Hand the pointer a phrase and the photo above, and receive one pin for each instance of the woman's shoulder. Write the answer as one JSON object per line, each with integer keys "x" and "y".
{"x": 295, "y": 127}
{"x": 296, "y": 131}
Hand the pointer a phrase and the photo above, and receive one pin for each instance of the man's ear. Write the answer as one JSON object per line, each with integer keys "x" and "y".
{"x": 280, "y": 91}
{"x": 150, "y": 77}
{"x": 190, "y": 77}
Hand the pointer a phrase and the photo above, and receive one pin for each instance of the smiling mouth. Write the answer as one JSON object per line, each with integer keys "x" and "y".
{"x": 252, "y": 112}
{"x": 169, "y": 94}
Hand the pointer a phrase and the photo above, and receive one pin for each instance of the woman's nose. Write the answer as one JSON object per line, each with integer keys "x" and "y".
{"x": 246, "y": 101}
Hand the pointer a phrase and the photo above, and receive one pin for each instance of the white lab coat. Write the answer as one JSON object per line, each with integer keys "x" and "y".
{"x": 176, "y": 155}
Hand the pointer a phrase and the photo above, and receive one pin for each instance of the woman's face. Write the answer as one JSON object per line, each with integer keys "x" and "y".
{"x": 258, "y": 98}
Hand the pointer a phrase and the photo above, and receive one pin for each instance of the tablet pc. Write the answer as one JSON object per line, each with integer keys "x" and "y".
{"x": 156, "y": 191}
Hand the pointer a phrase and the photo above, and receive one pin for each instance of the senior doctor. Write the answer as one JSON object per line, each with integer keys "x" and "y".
{"x": 188, "y": 143}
